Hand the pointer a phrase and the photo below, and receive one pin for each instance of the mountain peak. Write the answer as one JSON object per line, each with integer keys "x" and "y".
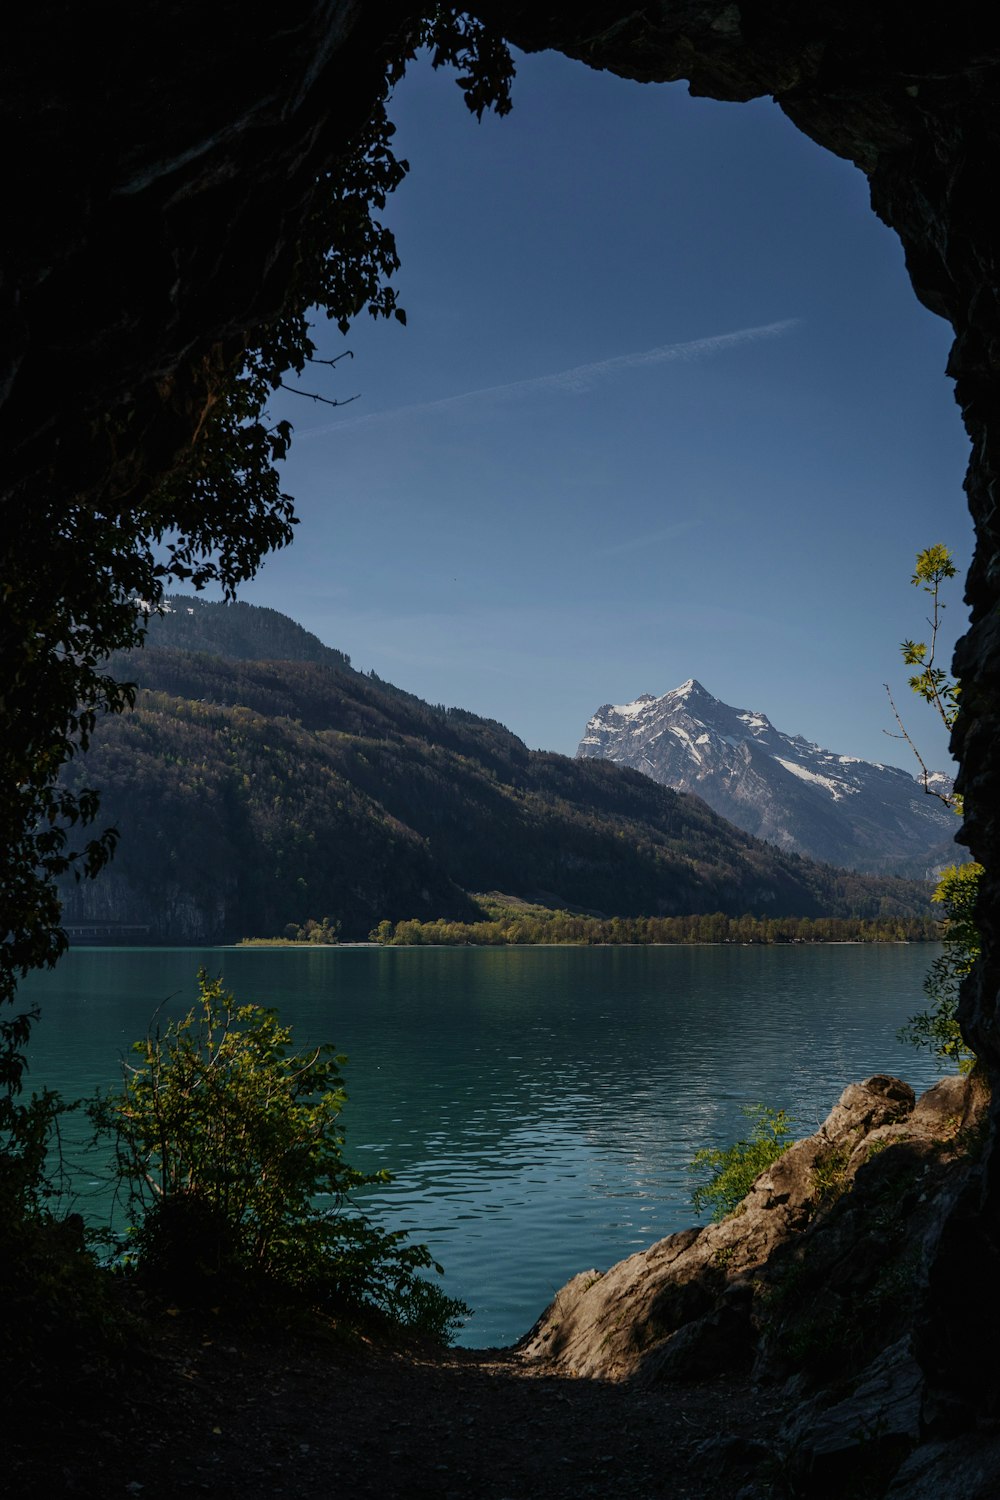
{"x": 776, "y": 786}
{"x": 690, "y": 689}
{"x": 629, "y": 710}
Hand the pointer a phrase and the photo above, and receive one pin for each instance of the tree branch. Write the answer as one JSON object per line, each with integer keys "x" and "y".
{"x": 312, "y": 396}
{"x": 947, "y": 798}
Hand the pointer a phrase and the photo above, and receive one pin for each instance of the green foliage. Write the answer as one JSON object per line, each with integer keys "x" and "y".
{"x": 733, "y": 1170}
{"x": 937, "y": 1028}
{"x": 237, "y": 630}
{"x": 57, "y": 1312}
{"x": 526, "y": 923}
{"x": 74, "y": 566}
{"x": 934, "y": 567}
{"x": 326, "y": 931}
{"x": 31, "y": 1165}
{"x": 830, "y": 1175}
{"x": 226, "y": 1140}
{"x": 31, "y": 1158}
{"x": 346, "y": 259}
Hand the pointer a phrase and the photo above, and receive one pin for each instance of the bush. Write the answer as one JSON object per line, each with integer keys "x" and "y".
{"x": 225, "y": 1138}
{"x": 732, "y": 1172}
{"x": 937, "y": 1027}
{"x": 57, "y": 1314}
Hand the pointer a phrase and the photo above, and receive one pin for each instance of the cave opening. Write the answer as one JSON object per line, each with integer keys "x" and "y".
{"x": 917, "y": 110}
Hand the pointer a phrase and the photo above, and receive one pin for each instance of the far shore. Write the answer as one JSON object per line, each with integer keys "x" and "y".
{"x": 692, "y": 943}
{"x": 289, "y": 945}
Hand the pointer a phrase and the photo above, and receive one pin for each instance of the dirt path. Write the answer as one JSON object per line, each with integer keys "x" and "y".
{"x": 262, "y": 1419}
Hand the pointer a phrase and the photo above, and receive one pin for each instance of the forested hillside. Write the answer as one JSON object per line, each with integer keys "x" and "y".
{"x": 251, "y": 794}
{"x": 238, "y": 631}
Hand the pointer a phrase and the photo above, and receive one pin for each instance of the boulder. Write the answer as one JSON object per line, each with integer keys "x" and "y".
{"x": 814, "y": 1275}
{"x": 831, "y": 1448}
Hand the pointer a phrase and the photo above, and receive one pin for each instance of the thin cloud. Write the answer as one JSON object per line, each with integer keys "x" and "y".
{"x": 579, "y": 378}
{"x": 650, "y": 538}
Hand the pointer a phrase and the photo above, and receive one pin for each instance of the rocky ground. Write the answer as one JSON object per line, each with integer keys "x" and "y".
{"x": 769, "y": 1355}
{"x": 217, "y": 1413}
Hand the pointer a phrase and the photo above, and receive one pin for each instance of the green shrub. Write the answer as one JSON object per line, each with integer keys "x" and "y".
{"x": 732, "y": 1172}
{"x": 937, "y": 1027}
{"x": 225, "y": 1139}
{"x": 57, "y": 1312}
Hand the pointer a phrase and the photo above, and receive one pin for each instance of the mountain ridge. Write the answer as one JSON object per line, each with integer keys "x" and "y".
{"x": 839, "y": 809}
{"x": 254, "y": 793}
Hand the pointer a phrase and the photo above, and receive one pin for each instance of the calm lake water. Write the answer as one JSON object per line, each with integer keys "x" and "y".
{"x": 538, "y": 1106}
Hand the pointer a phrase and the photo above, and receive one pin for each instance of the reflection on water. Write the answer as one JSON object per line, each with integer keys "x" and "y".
{"x": 538, "y": 1106}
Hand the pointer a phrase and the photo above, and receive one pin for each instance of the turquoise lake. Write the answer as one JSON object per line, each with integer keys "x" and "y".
{"x": 538, "y": 1106}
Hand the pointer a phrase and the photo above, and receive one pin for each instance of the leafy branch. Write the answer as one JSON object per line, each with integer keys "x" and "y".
{"x": 226, "y": 1141}
{"x": 934, "y": 566}
{"x": 731, "y": 1171}
{"x": 937, "y": 1028}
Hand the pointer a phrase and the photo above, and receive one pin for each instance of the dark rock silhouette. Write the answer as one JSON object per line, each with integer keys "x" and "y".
{"x": 160, "y": 160}
{"x": 814, "y": 1282}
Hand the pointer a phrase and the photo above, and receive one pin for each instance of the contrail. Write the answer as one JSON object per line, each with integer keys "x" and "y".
{"x": 579, "y": 378}
{"x": 650, "y": 538}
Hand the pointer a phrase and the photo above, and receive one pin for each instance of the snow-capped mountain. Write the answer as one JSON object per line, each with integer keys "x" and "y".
{"x": 780, "y": 787}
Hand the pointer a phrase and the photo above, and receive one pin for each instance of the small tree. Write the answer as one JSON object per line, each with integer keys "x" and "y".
{"x": 957, "y": 887}
{"x": 933, "y": 567}
{"x": 327, "y": 931}
{"x": 732, "y": 1171}
{"x": 230, "y": 1147}
{"x": 937, "y": 1028}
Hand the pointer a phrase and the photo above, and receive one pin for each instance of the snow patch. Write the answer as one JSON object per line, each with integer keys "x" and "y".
{"x": 632, "y": 710}
{"x": 835, "y": 788}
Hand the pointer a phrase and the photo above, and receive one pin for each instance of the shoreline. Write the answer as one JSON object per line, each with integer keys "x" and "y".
{"x": 246, "y": 944}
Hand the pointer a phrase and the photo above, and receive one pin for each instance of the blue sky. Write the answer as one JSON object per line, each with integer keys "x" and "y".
{"x": 665, "y": 406}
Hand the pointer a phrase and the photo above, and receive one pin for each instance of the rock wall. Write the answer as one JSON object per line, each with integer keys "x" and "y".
{"x": 111, "y": 910}
{"x": 811, "y": 1285}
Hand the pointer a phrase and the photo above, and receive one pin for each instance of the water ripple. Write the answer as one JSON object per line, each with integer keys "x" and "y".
{"x": 538, "y": 1107}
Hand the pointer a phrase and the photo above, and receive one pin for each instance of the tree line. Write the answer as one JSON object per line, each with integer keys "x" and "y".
{"x": 714, "y": 927}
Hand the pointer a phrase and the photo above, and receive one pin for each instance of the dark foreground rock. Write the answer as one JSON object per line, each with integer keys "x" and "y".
{"x": 967, "y": 1468}
{"x": 246, "y": 1417}
{"x": 157, "y": 181}
{"x": 813, "y": 1287}
{"x": 769, "y": 1355}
